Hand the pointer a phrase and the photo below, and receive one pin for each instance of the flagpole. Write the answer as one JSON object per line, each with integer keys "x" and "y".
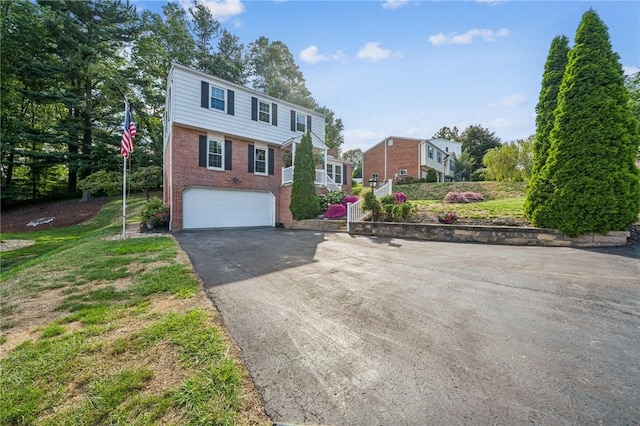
{"x": 124, "y": 182}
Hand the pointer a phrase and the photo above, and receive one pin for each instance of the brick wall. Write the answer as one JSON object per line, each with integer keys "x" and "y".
{"x": 402, "y": 154}
{"x": 186, "y": 172}
{"x": 286, "y": 218}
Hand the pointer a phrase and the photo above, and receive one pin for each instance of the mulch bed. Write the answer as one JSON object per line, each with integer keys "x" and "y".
{"x": 64, "y": 213}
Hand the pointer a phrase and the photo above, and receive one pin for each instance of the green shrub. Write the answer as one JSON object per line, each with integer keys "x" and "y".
{"x": 479, "y": 175}
{"x": 372, "y": 204}
{"x": 155, "y": 214}
{"x": 357, "y": 190}
{"x": 102, "y": 183}
{"x": 387, "y": 200}
{"x": 304, "y": 201}
{"x": 331, "y": 197}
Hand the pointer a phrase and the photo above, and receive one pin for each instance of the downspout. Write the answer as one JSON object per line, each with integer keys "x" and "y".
{"x": 385, "y": 159}
{"x": 419, "y": 175}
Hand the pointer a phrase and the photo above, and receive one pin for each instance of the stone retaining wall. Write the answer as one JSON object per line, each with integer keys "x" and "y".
{"x": 510, "y": 235}
{"x": 320, "y": 225}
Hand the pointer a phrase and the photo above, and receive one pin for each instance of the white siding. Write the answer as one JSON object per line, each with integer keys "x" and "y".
{"x": 187, "y": 110}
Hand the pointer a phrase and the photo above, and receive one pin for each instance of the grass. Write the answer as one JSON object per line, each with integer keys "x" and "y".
{"x": 116, "y": 332}
{"x": 502, "y": 199}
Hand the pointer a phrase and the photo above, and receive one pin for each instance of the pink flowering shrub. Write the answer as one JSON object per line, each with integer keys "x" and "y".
{"x": 349, "y": 199}
{"x": 400, "y": 197}
{"x": 447, "y": 217}
{"x": 335, "y": 211}
{"x": 463, "y": 197}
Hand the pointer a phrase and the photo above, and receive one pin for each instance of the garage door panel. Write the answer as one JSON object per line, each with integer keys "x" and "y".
{"x": 220, "y": 208}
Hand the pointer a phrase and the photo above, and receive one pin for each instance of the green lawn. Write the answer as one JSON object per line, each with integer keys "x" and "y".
{"x": 492, "y": 209}
{"x": 111, "y": 331}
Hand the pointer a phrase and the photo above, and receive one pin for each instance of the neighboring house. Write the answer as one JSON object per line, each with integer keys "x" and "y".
{"x": 397, "y": 158}
{"x": 228, "y": 153}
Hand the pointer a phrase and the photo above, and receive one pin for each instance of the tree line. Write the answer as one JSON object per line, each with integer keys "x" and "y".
{"x": 66, "y": 67}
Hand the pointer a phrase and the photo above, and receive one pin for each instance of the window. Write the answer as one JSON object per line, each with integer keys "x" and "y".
{"x": 216, "y": 155}
{"x": 301, "y": 123}
{"x": 337, "y": 175}
{"x": 439, "y": 157}
{"x": 330, "y": 170}
{"x": 452, "y": 165}
{"x": 260, "y": 161}
{"x": 264, "y": 112}
{"x": 403, "y": 172}
{"x": 430, "y": 151}
{"x": 217, "y": 98}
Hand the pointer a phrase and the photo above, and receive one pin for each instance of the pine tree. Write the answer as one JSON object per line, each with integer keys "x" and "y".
{"x": 538, "y": 190}
{"x": 304, "y": 201}
{"x": 591, "y": 170}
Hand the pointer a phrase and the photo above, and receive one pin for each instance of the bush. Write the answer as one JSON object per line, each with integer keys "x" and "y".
{"x": 102, "y": 182}
{"x": 463, "y": 197}
{"x": 349, "y": 199}
{"x": 400, "y": 197}
{"x": 372, "y": 204}
{"x": 155, "y": 214}
{"x": 335, "y": 211}
{"x": 479, "y": 175}
{"x": 409, "y": 179}
{"x": 403, "y": 212}
{"x": 387, "y": 200}
{"x": 331, "y": 197}
{"x": 447, "y": 217}
{"x": 304, "y": 201}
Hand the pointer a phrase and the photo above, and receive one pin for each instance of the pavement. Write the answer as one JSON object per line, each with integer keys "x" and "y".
{"x": 345, "y": 330}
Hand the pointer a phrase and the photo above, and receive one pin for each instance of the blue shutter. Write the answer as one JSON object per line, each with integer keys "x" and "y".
{"x": 271, "y": 159}
{"x": 250, "y": 163}
{"x": 254, "y": 108}
{"x": 230, "y": 102}
{"x": 344, "y": 174}
{"x": 274, "y": 114}
{"x": 204, "y": 94}
{"x": 202, "y": 151}
{"x": 293, "y": 121}
{"x": 227, "y": 154}
{"x": 309, "y": 123}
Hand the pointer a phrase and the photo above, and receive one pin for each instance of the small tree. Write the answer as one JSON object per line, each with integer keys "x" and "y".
{"x": 594, "y": 141}
{"x": 304, "y": 201}
{"x": 538, "y": 189}
{"x": 147, "y": 179}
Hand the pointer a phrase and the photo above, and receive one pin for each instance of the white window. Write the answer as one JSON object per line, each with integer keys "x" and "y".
{"x": 337, "y": 174}
{"x": 430, "y": 151}
{"x": 216, "y": 155}
{"x": 217, "y": 98}
{"x": 260, "y": 161}
{"x": 301, "y": 122}
{"x": 403, "y": 172}
{"x": 439, "y": 157}
{"x": 264, "y": 112}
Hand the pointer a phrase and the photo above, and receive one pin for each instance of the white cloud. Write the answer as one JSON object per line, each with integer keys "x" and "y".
{"x": 467, "y": 38}
{"x": 221, "y": 9}
{"x": 372, "y": 50}
{"x": 630, "y": 70}
{"x": 311, "y": 55}
{"x": 394, "y": 4}
{"x": 237, "y": 23}
{"x": 513, "y": 100}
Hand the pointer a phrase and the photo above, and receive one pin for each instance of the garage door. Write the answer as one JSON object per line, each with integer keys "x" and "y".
{"x": 227, "y": 208}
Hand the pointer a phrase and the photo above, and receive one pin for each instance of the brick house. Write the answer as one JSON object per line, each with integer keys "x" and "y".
{"x": 228, "y": 153}
{"x": 396, "y": 158}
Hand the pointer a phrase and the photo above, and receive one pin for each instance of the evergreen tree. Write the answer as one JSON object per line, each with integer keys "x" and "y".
{"x": 596, "y": 185}
{"x": 538, "y": 190}
{"x": 304, "y": 201}
{"x": 476, "y": 140}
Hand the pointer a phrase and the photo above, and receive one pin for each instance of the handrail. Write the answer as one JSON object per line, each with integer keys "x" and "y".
{"x": 355, "y": 211}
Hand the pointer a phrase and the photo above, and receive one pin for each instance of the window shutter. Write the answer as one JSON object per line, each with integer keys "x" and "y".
{"x": 202, "y": 151}
{"x": 274, "y": 114}
{"x": 308, "y": 123}
{"x": 251, "y": 154}
{"x": 293, "y": 121}
{"x": 227, "y": 154}
{"x": 344, "y": 174}
{"x": 230, "y": 102}
{"x": 204, "y": 94}
{"x": 254, "y": 108}
{"x": 271, "y": 159}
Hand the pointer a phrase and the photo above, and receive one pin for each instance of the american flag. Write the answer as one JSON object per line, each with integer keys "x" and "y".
{"x": 126, "y": 145}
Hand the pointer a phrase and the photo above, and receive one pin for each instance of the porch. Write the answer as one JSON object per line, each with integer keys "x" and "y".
{"x": 321, "y": 179}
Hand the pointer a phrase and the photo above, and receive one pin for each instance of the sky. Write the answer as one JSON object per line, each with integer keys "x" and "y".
{"x": 408, "y": 68}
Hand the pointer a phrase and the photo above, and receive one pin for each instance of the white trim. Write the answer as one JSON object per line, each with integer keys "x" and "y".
{"x": 269, "y": 114}
{"x": 265, "y": 148}
{"x": 224, "y": 100}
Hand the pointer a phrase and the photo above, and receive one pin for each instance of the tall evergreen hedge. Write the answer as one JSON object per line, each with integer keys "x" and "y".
{"x": 304, "y": 201}
{"x": 538, "y": 190}
{"x": 591, "y": 170}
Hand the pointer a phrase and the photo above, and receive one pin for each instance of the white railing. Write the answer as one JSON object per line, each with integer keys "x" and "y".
{"x": 384, "y": 190}
{"x": 287, "y": 174}
{"x": 320, "y": 177}
{"x": 332, "y": 185}
{"x": 355, "y": 212}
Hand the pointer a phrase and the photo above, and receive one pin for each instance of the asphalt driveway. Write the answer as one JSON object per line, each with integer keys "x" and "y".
{"x": 349, "y": 330}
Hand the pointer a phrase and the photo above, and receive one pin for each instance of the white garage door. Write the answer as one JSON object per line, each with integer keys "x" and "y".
{"x": 227, "y": 208}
